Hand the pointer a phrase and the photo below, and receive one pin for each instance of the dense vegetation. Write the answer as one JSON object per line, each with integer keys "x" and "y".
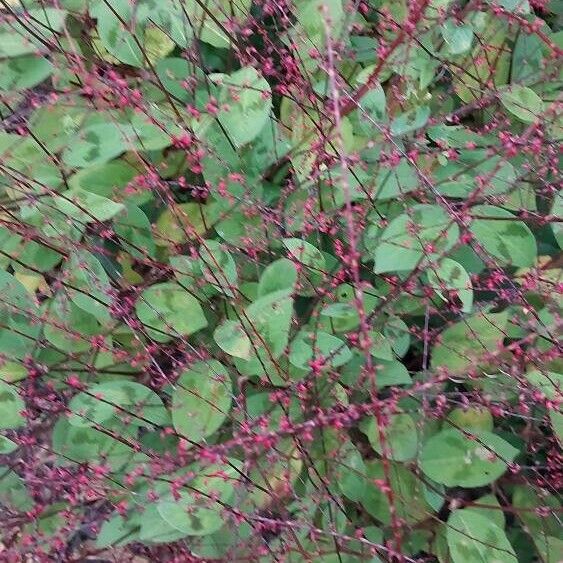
{"x": 280, "y": 280}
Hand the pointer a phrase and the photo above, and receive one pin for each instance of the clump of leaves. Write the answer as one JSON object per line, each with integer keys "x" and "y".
{"x": 280, "y": 281}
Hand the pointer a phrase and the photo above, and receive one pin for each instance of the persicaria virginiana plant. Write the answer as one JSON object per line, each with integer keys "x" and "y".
{"x": 280, "y": 280}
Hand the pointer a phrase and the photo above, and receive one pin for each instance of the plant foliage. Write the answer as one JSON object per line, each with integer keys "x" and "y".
{"x": 280, "y": 280}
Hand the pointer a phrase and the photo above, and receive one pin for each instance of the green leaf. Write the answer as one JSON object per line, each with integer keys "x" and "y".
{"x": 473, "y": 538}
{"x": 167, "y": 310}
{"x": 190, "y": 519}
{"x": 278, "y": 275}
{"x": 89, "y": 286}
{"x": 7, "y": 446}
{"x": 352, "y": 481}
{"x": 174, "y": 20}
{"x": 401, "y": 436}
{"x": 455, "y": 460}
{"x": 134, "y": 230}
{"x": 419, "y": 236}
{"x": 18, "y": 38}
{"x": 117, "y": 41}
{"x": 398, "y": 334}
{"x": 305, "y": 253}
{"x": 69, "y": 327}
{"x": 39, "y": 257}
{"x": 95, "y": 144}
{"x": 156, "y": 43}
{"x": 267, "y": 321}
{"x": 527, "y": 57}
{"x": 19, "y": 328}
{"x": 550, "y": 549}
{"x": 464, "y": 343}
{"x": 56, "y": 124}
{"x": 452, "y": 276}
{"x": 387, "y": 372}
{"x": 155, "y": 529}
{"x": 454, "y": 135}
{"x": 408, "y": 491}
{"x": 342, "y": 317}
{"x": 501, "y": 176}
{"x": 538, "y": 512}
{"x": 11, "y": 406}
{"x": 521, "y": 197}
{"x": 503, "y": 236}
{"x": 173, "y": 72}
{"x": 107, "y": 180}
{"x": 372, "y": 107}
{"x": 177, "y": 224}
{"x": 201, "y": 400}
{"x": 516, "y": 6}
{"x": 458, "y": 38}
{"x": 557, "y": 211}
{"x": 214, "y": 23}
{"x": 550, "y": 383}
{"x": 248, "y": 96}
{"x": 125, "y": 399}
{"x": 410, "y": 121}
{"x": 392, "y": 373}
{"x": 10, "y": 372}
{"x": 472, "y": 418}
{"x": 118, "y": 531}
{"x": 309, "y": 345}
{"x": 87, "y": 207}
{"x": 397, "y": 181}
{"x": 186, "y": 270}
{"x": 523, "y": 102}
{"x": 201, "y": 512}
{"x": 314, "y": 261}
{"x": 24, "y": 72}
{"x": 149, "y": 133}
{"x": 13, "y": 492}
{"x": 83, "y": 444}
{"x": 237, "y": 228}
{"x": 491, "y": 509}
{"x": 556, "y": 418}
{"x": 380, "y": 347}
{"x": 232, "y": 339}
{"x": 218, "y": 267}
{"x": 477, "y": 70}
{"x": 311, "y": 29}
